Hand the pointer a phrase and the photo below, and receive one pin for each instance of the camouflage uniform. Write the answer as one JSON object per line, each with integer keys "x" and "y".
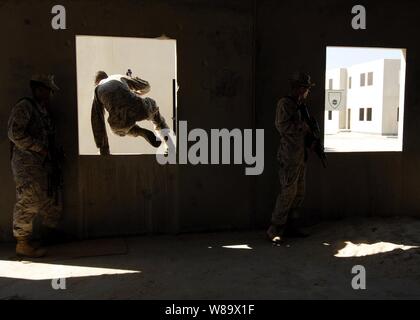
{"x": 292, "y": 159}
{"x": 29, "y": 128}
{"x": 120, "y": 96}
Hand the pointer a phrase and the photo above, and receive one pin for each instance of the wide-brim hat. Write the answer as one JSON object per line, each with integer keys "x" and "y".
{"x": 46, "y": 80}
{"x": 301, "y": 79}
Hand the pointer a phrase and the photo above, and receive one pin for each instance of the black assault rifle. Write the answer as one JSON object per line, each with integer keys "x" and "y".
{"x": 314, "y": 136}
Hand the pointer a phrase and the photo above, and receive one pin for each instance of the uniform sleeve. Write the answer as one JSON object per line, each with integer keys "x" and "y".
{"x": 17, "y": 128}
{"x": 98, "y": 126}
{"x": 139, "y": 85}
{"x": 284, "y": 117}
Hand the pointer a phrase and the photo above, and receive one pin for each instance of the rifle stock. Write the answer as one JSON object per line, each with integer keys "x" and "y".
{"x": 316, "y": 135}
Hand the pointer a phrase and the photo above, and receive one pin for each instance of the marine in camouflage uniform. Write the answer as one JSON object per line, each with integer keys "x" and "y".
{"x": 29, "y": 129}
{"x": 121, "y": 97}
{"x": 292, "y": 156}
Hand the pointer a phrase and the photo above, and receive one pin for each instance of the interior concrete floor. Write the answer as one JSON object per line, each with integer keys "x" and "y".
{"x": 229, "y": 265}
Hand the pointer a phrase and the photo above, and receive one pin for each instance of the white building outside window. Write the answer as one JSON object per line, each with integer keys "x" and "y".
{"x": 370, "y": 79}
{"x": 377, "y": 103}
{"x": 362, "y": 80}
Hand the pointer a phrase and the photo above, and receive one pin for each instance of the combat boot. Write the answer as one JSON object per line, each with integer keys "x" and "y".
{"x": 275, "y": 234}
{"x": 25, "y": 250}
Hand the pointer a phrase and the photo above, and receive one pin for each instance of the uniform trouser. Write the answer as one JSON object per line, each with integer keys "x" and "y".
{"x": 33, "y": 201}
{"x": 144, "y": 109}
{"x": 157, "y": 120}
{"x": 291, "y": 196}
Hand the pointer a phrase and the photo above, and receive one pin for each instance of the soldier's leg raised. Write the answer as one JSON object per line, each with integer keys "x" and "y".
{"x": 154, "y": 115}
{"x": 150, "y": 137}
{"x": 159, "y": 121}
{"x": 163, "y": 131}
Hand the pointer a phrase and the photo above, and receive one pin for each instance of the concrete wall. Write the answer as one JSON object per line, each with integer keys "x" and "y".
{"x": 291, "y": 36}
{"x": 343, "y": 86}
{"x": 339, "y": 82}
{"x": 133, "y": 194}
{"x": 227, "y": 80}
{"x": 332, "y": 82}
{"x": 391, "y": 98}
{"x": 403, "y": 80}
{"x": 382, "y": 96}
{"x": 367, "y": 96}
{"x": 332, "y": 126}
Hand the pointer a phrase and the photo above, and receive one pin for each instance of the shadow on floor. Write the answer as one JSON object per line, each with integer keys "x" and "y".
{"x": 231, "y": 265}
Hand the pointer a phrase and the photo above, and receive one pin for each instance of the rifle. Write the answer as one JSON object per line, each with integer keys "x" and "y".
{"x": 315, "y": 135}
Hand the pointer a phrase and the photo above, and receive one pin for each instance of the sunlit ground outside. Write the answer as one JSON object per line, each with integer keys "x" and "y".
{"x": 361, "y": 142}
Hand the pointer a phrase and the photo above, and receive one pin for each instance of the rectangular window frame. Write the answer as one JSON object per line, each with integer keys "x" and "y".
{"x": 369, "y": 114}
{"x": 370, "y": 79}
{"x": 363, "y": 79}
{"x": 361, "y": 114}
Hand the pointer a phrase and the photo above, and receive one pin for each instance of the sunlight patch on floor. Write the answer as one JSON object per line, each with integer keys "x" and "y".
{"x": 42, "y": 271}
{"x": 239, "y": 247}
{"x": 363, "y": 249}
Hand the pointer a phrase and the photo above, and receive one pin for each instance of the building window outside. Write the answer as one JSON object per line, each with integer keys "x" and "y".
{"x": 370, "y": 79}
{"x": 361, "y": 114}
{"x": 369, "y": 114}
{"x": 362, "y": 79}
{"x": 375, "y": 68}
{"x": 349, "y": 120}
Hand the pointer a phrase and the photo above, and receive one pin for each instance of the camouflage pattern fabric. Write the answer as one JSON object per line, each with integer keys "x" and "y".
{"x": 28, "y": 129}
{"x": 291, "y": 157}
{"x": 120, "y": 97}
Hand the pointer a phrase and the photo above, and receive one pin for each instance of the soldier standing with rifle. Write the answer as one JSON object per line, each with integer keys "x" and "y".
{"x": 35, "y": 166}
{"x": 298, "y": 133}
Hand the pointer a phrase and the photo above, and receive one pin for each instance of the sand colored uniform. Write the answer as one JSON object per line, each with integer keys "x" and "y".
{"x": 121, "y": 97}
{"x": 292, "y": 159}
{"x": 29, "y": 129}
